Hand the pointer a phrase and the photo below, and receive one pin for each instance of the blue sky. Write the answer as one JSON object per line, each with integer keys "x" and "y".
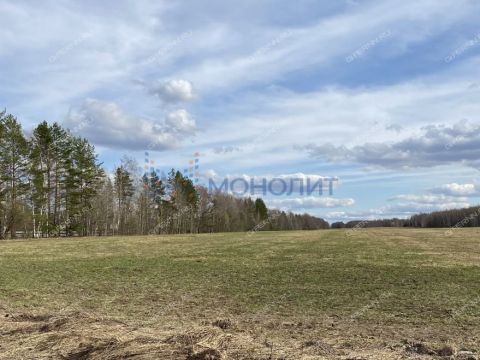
{"x": 383, "y": 95}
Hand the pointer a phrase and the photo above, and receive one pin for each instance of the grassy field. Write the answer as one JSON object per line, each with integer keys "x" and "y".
{"x": 379, "y": 294}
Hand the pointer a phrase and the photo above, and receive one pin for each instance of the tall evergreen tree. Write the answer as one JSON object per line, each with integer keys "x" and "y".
{"x": 261, "y": 210}
{"x": 79, "y": 183}
{"x": 151, "y": 203}
{"x": 124, "y": 190}
{"x": 14, "y": 152}
{"x": 3, "y": 187}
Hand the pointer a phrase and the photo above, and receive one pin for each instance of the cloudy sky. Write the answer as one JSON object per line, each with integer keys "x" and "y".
{"x": 383, "y": 95}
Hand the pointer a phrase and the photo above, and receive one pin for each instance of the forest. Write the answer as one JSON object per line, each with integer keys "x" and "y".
{"x": 453, "y": 218}
{"x": 52, "y": 184}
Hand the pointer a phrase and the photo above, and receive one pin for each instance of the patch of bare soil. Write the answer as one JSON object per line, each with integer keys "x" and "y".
{"x": 78, "y": 336}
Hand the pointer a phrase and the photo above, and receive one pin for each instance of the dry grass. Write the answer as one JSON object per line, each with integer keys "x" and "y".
{"x": 381, "y": 294}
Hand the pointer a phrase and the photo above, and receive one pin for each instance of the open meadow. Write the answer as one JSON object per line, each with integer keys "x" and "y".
{"x": 378, "y": 294}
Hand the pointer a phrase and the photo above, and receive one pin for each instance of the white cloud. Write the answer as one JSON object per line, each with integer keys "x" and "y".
{"x": 436, "y": 200}
{"x": 404, "y": 206}
{"x": 346, "y": 118}
{"x": 174, "y": 91}
{"x": 410, "y": 204}
{"x": 324, "y": 42}
{"x": 180, "y": 122}
{"x": 455, "y": 189}
{"x": 108, "y": 125}
{"x": 436, "y": 145}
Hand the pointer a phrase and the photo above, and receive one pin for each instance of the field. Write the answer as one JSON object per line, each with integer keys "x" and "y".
{"x": 379, "y": 294}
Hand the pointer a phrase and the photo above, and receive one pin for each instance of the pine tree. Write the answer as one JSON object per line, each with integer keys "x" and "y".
{"x": 3, "y": 187}
{"x": 51, "y": 149}
{"x": 124, "y": 190}
{"x": 89, "y": 178}
{"x": 261, "y": 210}
{"x": 14, "y": 152}
{"x": 42, "y": 165}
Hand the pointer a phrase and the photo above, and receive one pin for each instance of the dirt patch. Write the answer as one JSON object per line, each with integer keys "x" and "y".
{"x": 444, "y": 351}
{"x": 79, "y": 336}
{"x": 209, "y": 354}
{"x": 75, "y": 337}
{"x": 223, "y": 323}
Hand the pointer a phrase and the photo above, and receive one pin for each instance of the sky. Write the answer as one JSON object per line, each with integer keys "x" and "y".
{"x": 382, "y": 96}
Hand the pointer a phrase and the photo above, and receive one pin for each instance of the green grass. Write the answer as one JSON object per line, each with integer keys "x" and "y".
{"x": 400, "y": 278}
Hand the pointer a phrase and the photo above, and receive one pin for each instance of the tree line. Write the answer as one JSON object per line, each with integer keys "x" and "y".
{"x": 52, "y": 184}
{"x": 466, "y": 217}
